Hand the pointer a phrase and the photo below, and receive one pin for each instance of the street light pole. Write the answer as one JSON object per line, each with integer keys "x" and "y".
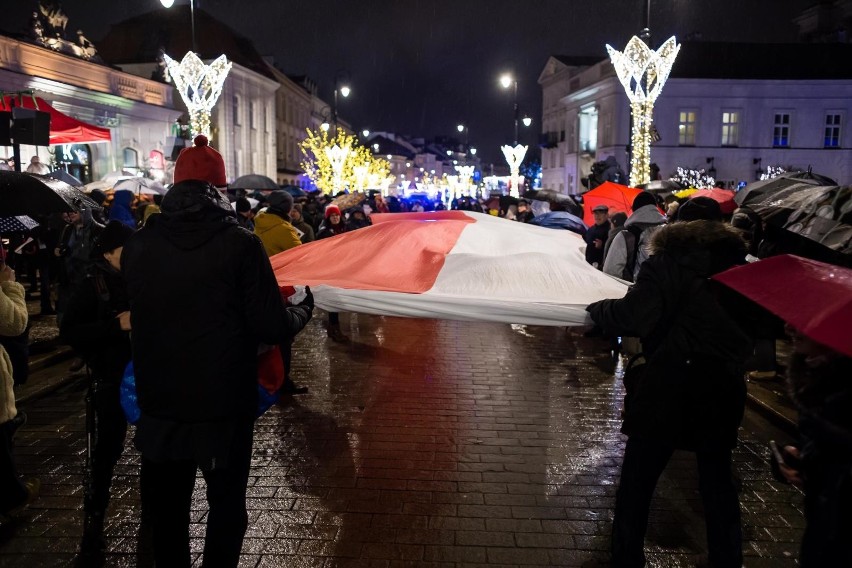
{"x": 516, "y": 111}
{"x": 170, "y": 3}
{"x": 344, "y": 90}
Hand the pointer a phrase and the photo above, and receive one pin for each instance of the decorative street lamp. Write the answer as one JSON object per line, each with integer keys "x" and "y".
{"x": 642, "y": 72}
{"x": 199, "y": 85}
{"x": 514, "y": 154}
{"x": 465, "y": 173}
{"x": 344, "y": 90}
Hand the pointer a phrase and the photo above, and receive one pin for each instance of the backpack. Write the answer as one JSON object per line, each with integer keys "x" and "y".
{"x": 632, "y": 239}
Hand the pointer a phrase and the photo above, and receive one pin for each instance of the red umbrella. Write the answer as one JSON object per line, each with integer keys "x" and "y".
{"x": 615, "y": 196}
{"x": 724, "y": 197}
{"x": 813, "y": 297}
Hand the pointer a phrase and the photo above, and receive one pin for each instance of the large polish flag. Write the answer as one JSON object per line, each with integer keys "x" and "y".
{"x": 451, "y": 265}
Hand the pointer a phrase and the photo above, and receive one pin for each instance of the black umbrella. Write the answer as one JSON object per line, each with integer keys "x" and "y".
{"x": 822, "y": 214}
{"x": 661, "y": 186}
{"x": 62, "y": 175}
{"x": 31, "y": 194}
{"x": 294, "y": 191}
{"x": 757, "y": 189}
{"x": 559, "y": 200}
{"x": 253, "y": 181}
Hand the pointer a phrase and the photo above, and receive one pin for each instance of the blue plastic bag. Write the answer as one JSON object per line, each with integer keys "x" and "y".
{"x": 127, "y": 392}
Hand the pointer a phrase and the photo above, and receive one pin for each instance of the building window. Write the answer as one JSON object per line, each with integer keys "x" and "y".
{"x": 781, "y": 130}
{"x": 832, "y": 130}
{"x": 730, "y": 128}
{"x": 252, "y": 121}
{"x": 686, "y": 128}
{"x": 131, "y": 160}
{"x": 235, "y": 109}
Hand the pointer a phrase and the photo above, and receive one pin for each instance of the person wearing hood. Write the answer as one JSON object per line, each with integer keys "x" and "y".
{"x": 120, "y": 208}
{"x": 273, "y": 225}
{"x": 203, "y": 297}
{"x": 97, "y": 326}
{"x": 629, "y": 248}
{"x": 686, "y": 388}
{"x": 612, "y": 171}
{"x": 74, "y": 249}
{"x": 301, "y": 225}
{"x": 357, "y": 219}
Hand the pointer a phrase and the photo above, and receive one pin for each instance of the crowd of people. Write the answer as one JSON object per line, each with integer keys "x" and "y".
{"x": 687, "y": 344}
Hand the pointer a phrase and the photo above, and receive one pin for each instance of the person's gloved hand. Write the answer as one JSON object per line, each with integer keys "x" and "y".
{"x": 309, "y": 299}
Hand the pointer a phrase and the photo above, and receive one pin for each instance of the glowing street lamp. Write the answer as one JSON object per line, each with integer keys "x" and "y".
{"x": 642, "y": 72}
{"x": 344, "y": 90}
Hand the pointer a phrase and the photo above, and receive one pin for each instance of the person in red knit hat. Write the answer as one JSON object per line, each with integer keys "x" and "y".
{"x": 201, "y": 162}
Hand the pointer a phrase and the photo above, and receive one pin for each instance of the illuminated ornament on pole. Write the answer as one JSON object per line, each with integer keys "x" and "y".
{"x": 465, "y": 173}
{"x": 200, "y": 86}
{"x": 514, "y": 156}
{"x": 360, "y": 177}
{"x": 643, "y": 72}
{"x": 337, "y": 157}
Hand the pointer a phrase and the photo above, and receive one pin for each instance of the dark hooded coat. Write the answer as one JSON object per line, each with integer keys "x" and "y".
{"x": 202, "y": 297}
{"x": 692, "y": 392}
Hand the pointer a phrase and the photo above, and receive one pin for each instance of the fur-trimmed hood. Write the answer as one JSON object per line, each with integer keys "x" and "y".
{"x": 707, "y": 247}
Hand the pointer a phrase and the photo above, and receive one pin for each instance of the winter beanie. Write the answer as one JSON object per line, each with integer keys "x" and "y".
{"x": 699, "y": 208}
{"x": 280, "y": 201}
{"x": 201, "y": 162}
{"x": 331, "y": 209}
{"x": 243, "y": 205}
{"x": 642, "y": 200}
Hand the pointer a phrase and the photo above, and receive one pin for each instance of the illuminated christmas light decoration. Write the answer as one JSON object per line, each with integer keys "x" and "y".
{"x": 642, "y": 72}
{"x": 337, "y": 157}
{"x": 772, "y": 172}
{"x": 693, "y": 179}
{"x": 199, "y": 86}
{"x": 465, "y": 173}
{"x": 514, "y": 156}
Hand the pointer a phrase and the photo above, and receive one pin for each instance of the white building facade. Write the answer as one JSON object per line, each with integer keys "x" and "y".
{"x": 710, "y": 115}
{"x": 138, "y": 112}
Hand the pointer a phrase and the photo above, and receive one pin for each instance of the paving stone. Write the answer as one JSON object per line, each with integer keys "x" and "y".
{"x": 422, "y": 444}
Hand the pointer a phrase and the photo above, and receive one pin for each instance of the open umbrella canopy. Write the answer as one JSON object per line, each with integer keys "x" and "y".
{"x": 17, "y": 224}
{"x": 615, "y": 196}
{"x": 724, "y": 197}
{"x": 661, "y": 186}
{"x": 294, "y": 191}
{"x": 813, "y": 297}
{"x": 820, "y": 213}
{"x": 139, "y": 185}
{"x": 253, "y": 181}
{"x": 62, "y": 175}
{"x": 756, "y": 190}
{"x": 31, "y": 194}
{"x": 560, "y": 220}
{"x": 560, "y": 200}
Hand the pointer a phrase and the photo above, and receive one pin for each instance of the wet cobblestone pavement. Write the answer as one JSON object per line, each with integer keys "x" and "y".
{"x": 420, "y": 443}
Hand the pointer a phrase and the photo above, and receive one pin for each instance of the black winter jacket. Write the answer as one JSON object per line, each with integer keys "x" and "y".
{"x": 90, "y": 325}
{"x": 692, "y": 392}
{"x": 202, "y": 297}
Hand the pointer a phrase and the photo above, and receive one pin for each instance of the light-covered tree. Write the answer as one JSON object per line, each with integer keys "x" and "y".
{"x": 357, "y": 164}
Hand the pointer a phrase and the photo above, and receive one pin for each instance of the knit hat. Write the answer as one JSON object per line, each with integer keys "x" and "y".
{"x": 280, "y": 201}
{"x": 331, "y": 209}
{"x": 243, "y": 205}
{"x": 699, "y": 208}
{"x": 642, "y": 200}
{"x": 113, "y": 235}
{"x": 201, "y": 162}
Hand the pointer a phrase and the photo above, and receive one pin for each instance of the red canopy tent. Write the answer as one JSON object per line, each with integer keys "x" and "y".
{"x": 63, "y": 128}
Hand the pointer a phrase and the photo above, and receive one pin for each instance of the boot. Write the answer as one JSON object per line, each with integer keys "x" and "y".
{"x": 335, "y": 334}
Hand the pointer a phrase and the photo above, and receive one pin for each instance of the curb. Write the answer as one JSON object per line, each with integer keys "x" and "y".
{"x": 776, "y": 417}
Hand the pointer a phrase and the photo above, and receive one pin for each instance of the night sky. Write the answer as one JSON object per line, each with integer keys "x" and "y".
{"x": 420, "y": 67}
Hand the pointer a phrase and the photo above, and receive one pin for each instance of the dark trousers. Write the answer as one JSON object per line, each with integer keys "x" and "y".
{"x": 12, "y": 491}
{"x": 644, "y": 462}
{"x": 110, "y": 431}
{"x": 167, "y": 496}
{"x": 334, "y": 318}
